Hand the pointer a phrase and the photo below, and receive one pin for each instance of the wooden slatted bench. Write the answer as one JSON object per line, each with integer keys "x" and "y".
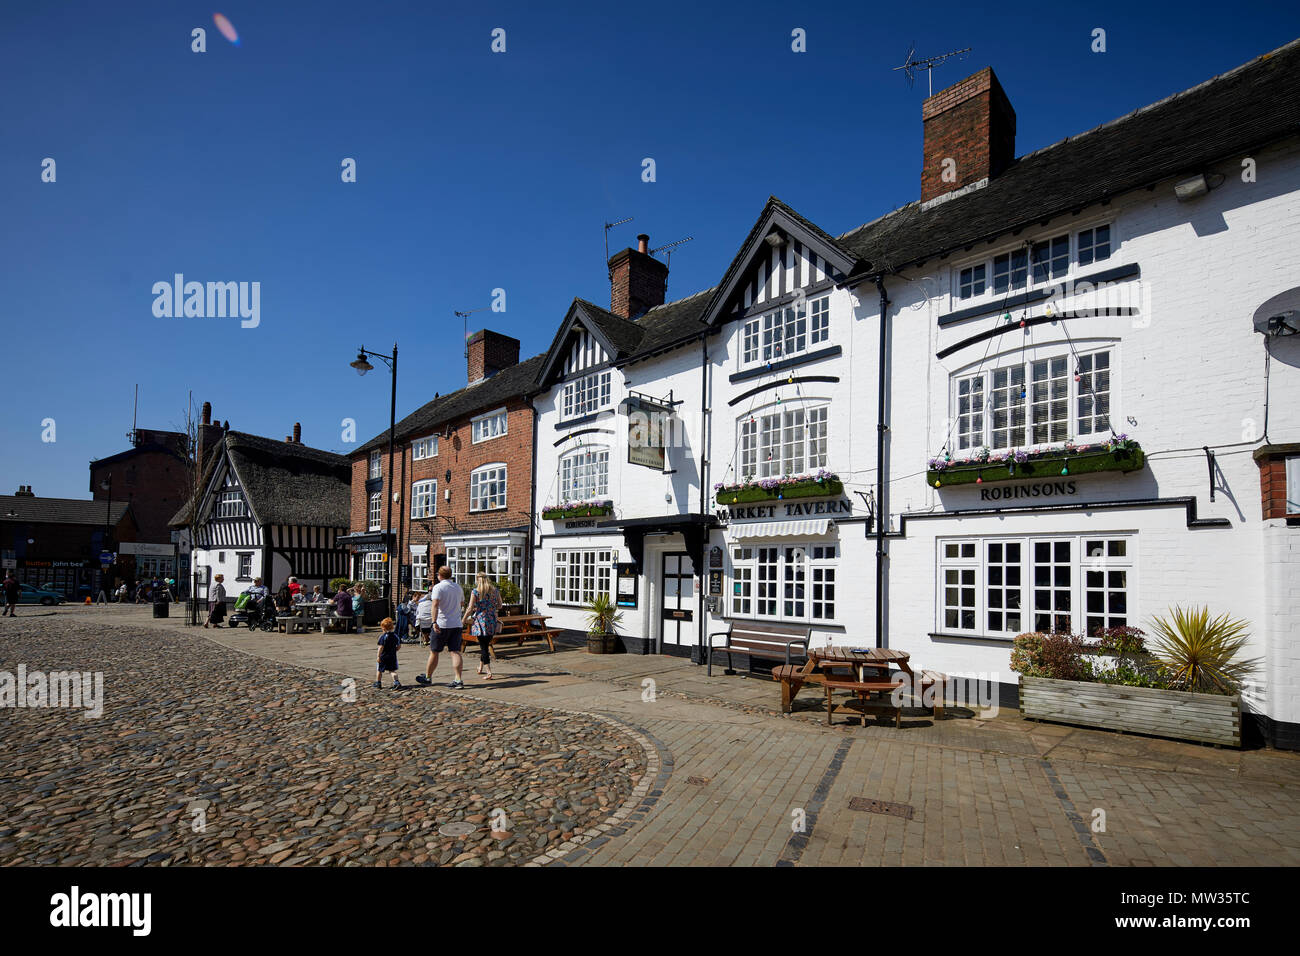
{"x": 770, "y": 641}
{"x": 862, "y": 690}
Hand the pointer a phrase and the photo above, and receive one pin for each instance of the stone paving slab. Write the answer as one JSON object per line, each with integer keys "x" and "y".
{"x": 735, "y": 774}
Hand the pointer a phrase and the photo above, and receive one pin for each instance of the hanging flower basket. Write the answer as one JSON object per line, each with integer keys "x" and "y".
{"x": 578, "y": 509}
{"x": 1119, "y": 454}
{"x": 821, "y": 485}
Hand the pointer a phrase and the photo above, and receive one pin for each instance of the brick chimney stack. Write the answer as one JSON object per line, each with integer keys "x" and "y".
{"x": 24, "y": 491}
{"x": 208, "y": 436}
{"x": 637, "y": 281}
{"x": 489, "y": 352}
{"x": 972, "y": 124}
{"x": 297, "y": 433}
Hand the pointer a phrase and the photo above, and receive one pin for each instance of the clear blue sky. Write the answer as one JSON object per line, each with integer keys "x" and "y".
{"x": 475, "y": 171}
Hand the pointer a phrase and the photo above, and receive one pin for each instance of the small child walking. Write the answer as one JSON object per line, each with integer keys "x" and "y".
{"x": 386, "y": 658}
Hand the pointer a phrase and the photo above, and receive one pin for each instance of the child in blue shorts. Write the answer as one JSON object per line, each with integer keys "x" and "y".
{"x": 386, "y": 659}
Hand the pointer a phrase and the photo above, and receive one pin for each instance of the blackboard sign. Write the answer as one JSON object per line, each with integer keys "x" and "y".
{"x": 625, "y": 585}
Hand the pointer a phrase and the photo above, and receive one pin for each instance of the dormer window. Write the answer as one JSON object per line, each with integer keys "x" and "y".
{"x": 230, "y": 504}
{"x": 586, "y": 395}
{"x": 376, "y": 468}
{"x": 786, "y": 332}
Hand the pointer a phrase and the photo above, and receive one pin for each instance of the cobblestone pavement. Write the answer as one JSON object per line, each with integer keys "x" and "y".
{"x": 729, "y": 781}
{"x": 208, "y": 755}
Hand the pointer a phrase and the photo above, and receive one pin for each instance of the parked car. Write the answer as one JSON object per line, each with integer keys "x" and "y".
{"x": 34, "y": 595}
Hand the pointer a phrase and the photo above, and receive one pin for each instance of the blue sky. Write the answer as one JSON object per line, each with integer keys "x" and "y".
{"x": 475, "y": 171}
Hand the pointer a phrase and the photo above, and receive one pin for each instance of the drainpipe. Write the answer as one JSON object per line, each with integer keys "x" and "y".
{"x": 702, "y": 570}
{"x": 526, "y": 598}
{"x": 882, "y": 512}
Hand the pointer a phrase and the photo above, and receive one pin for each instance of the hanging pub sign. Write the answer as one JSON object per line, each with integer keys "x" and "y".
{"x": 648, "y": 424}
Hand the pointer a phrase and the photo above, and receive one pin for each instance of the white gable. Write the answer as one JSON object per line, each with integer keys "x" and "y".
{"x": 782, "y": 271}
{"x": 584, "y": 353}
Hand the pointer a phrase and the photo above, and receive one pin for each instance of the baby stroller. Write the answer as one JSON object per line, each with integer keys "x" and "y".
{"x": 253, "y": 612}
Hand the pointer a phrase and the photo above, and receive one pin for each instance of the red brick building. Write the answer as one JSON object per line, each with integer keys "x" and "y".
{"x": 464, "y": 479}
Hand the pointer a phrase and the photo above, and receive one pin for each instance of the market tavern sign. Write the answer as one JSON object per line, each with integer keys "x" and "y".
{"x": 793, "y": 509}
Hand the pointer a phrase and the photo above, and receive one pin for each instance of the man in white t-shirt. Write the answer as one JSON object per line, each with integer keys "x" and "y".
{"x": 447, "y": 598}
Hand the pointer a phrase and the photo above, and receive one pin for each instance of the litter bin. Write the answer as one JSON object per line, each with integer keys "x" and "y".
{"x": 161, "y": 605}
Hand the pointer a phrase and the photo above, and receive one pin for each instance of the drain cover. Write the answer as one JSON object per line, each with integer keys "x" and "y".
{"x": 698, "y": 781}
{"x": 881, "y": 806}
{"x": 457, "y": 829}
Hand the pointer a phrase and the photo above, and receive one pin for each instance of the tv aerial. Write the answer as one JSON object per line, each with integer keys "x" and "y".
{"x": 608, "y": 227}
{"x": 911, "y": 65}
{"x": 464, "y": 317}
{"x": 667, "y": 249}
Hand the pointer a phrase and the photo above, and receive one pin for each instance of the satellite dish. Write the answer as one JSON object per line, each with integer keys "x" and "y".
{"x": 1280, "y": 315}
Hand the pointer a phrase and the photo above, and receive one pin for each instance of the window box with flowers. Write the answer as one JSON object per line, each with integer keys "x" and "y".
{"x": 577, "y": 509}
{"x": 822, "y": 484}
{"x": 1119, "y": 453}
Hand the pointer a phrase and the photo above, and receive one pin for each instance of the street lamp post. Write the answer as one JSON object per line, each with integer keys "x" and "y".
{"x": 362, "y": 367}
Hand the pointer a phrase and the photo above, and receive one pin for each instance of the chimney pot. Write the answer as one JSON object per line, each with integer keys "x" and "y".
{"x": 643, "y": 243}
{"x": 207, "y": 413}
{"x": 297, "y": 433}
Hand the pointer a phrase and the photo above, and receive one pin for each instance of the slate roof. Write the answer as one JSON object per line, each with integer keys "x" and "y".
{"x": 513, "y": 382}
{"x": 1221, "y": 119}
{"x": 285, "y": 483}
{"x": 35, "y": 510}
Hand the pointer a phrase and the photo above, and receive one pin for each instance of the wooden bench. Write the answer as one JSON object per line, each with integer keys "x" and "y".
{"x": 862, "y": 690}
{"x": 938, "y": 681}
{"x": 761, "y": 640}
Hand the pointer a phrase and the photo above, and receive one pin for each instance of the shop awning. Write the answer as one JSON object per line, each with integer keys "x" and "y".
{"x": 774, "y": 529}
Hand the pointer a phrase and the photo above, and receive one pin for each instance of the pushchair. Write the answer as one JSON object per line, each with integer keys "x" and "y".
{"x": 254, "y": 612}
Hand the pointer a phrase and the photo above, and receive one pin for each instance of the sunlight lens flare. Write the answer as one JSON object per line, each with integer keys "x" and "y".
{"x": 226, "y": 27}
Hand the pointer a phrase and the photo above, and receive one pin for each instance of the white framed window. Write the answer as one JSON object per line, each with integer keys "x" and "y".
{"x": 584, "y": 474}
{"x": 374, "y": 511}
{"x": 420, "y": 571}
{"x": 1040, "y": 263}
{"x": 376, "y": 465}
{"x": 488, "y": 426}
{"x": 1293, "y": 485}
{"x": 783, "y": 440}
{"x": 424, "y": 498}
{"x": 1029, "y": 402}
{"x": 786, "y": 332}
{"x": 487, "y": 488}
{"x": 971, "y": 281}
{"x": 787, "y": 582}
{"x": 230, "y": 504}
{"x": 579, "y": 575}
{"x": 1094, "y": 245}
{"x": 423, "y": 448}
{"x": 467, "y": 562}
{"x": 587, "y": 395}
{"x": 244, "y": 565}
{"x": 373, "y": 567}
{"x": 1001, "y": 587}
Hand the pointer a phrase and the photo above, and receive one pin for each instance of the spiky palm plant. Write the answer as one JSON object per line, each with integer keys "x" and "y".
{"x": 603, "y": 615}
{"x": 1196, "y": 652}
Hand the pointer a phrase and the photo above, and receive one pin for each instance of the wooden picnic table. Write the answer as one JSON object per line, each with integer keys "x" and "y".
{"x": 861, "y": 659}
{"x": 519, "y": 626}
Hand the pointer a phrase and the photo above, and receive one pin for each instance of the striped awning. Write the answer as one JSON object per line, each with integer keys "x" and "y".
{"x": 773, "y": 529}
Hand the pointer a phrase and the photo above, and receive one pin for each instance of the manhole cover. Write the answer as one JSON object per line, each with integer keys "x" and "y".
{"x": 457, "y": 829}
{"x": 698, "y": 781}
{"x": 881, "y": 806}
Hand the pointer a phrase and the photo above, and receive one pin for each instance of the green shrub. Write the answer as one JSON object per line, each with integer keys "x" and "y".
{"x": 1057, "y": 656}
{"x": 1126, "y": 675}
{"x": 1121, "y": 641}
{"x": 510, "y": 593}
{"x": 336, "y": 583}
{"x": 371, "y": 590}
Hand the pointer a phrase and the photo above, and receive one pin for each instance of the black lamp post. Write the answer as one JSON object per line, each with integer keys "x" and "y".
{"x": 362, "y": 367}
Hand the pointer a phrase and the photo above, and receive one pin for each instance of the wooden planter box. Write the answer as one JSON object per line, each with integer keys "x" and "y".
{"x": 1206, "y": 718}
{"x": 797, "y": 489}
{"x": 1042, "y": 468}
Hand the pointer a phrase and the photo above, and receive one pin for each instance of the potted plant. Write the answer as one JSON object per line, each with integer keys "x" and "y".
{"x": 603, "y": 619}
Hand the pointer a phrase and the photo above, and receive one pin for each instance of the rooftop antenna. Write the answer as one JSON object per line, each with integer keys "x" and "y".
{"x": 464, "y": 317}
{"x": 135, "y": 411}
{"x": 668, "y": 249}
{"x": 608, "y": 227}
{"x": 911, "y": 65}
